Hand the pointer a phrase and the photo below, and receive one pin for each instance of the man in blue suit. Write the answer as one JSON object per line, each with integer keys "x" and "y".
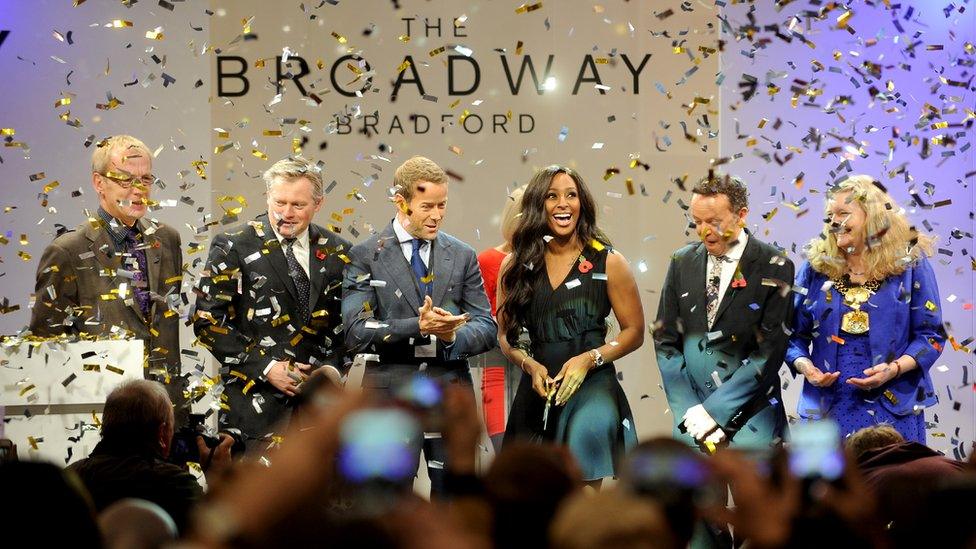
{"x": 721, "y": 334}
{"x": 414, "y": 295}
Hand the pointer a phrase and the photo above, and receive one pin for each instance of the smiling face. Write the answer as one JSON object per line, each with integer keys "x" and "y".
{"x": 847, "y": 220}
{"x": 127, "y": 167}
{"x": 423, "y": 214}
{"x": 562, "y": 206}
{"x": 715, "y": 222}
{"x": 291, "y": 205}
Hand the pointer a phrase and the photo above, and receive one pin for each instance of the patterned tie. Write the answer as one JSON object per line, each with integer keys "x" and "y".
{"x": 297, "y": 274}
{"x": 140, "y": 271}
{"x": 419, "y": 269}
{"x": 711, "y": 288}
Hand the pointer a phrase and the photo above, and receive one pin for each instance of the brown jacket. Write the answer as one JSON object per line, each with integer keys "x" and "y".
{"x": 74, "y": 288}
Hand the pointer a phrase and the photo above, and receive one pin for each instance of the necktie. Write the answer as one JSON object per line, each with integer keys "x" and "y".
{"x": 419, "y": 269}
{"x": 140, "y": 270}
{"x": 711, "y": 288}
{"x": 297, "y": 274}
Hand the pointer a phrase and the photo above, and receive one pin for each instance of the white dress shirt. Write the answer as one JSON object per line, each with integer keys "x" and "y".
{"x": 300, "y": 247}
{"x": 406, "y": 243}
{"x": 729, "y": 266}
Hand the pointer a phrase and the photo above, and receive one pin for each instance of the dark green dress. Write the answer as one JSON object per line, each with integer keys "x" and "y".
{"x": 596, "y": 423}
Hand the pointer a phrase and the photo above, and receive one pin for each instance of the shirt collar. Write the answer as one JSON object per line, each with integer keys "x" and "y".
{"x": 734, "y": 253}
{"x": 401, "y": 233}
{"x": 301, "y": 240}
{"x": 117, "y": 230}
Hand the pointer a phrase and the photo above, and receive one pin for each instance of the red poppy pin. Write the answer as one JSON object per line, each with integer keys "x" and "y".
{"x": 156, "y": 244}
{"x": 738, "y": 281}
{"x": 585, "y": 266}
{"x": 320, "y": 254}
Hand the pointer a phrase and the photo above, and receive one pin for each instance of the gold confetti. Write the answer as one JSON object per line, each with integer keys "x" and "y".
{"x": 339, "y": 37}
{"x": 234, "y": 211}
{"x": 272, "y": 133}
{"x": 259, "y": 154}
{"x": 154, "y": 34}
{"x": 24, "y": 255}
{"x": 62, "y": 102}
{"x": 403, "y": 38}
{"x": 844, "y": 17}
{"x": 119, "y": 23}
{"x": 7, "y": 131}
{"x": 518, "y": 48}
{"x": 436, "y": 51}
{"x": 526, "y": 8}
{"x": 115, "y": 369}
{"x": 403, "y": 66}
{"x": 456, "y": 150}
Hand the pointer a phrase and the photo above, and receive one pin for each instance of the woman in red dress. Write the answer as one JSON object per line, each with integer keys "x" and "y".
{"x": 495, "y": 393}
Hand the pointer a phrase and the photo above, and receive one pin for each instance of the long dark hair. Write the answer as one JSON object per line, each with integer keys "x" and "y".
{"x": 529, "y": 247}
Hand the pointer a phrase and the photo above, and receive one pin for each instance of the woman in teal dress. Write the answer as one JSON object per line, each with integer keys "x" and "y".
{"x": 560, "y": 283}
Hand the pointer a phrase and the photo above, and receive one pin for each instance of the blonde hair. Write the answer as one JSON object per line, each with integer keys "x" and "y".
{"x": 293, "y": 168}
{"x": 870, "y": 438}
{"x": 891, "y": 244}
{"x": 415, "y": 169}
{"x": 512, "y": 213}
{"x": 102, "y": 155}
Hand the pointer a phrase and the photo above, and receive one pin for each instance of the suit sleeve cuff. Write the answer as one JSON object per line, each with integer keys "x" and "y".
{"x": 268, "y": 368}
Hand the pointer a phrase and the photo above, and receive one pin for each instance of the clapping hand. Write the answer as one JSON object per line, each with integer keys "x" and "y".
{"x": 875, "y": 376}
{"x": 814, "y": 375}
{"x": 698, "y": 422}
{"x": 439, "y": 322}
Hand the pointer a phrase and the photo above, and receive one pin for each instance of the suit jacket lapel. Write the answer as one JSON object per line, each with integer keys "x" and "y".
{"x": 153, "y": 249}
{"x": 400, "y": 273}
{"x": 442, "y": 266}
{"x": 745, "y": 266}
{"x": 696, "y": 282}
{"x": 276, "y": 256}
{"x": 316, "y": 265}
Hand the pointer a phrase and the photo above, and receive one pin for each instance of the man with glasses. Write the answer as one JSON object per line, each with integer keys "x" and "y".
{"x": 117, "y": 274}
{"x": 269, "y": 302}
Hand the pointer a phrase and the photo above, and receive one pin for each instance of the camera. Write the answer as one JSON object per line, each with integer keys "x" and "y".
{"x": 184, "y": 447}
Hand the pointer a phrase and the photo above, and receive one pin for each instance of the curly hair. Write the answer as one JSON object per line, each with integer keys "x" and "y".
{"x": 891, "y": 243}
{"x": 732, "y": 187}
{"x": 529, "y": 245}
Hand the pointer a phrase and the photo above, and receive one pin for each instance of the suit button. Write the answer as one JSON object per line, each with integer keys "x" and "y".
{"x": 708, "y": 384}
{"x": 708, "y": 351}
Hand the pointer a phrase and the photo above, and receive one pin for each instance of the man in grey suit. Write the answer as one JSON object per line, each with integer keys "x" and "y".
{"x": 117, "y": 274}
{"x": 268, "y": 304}
{"x": 721, "y": 330}
{"x": 414, "y": 295}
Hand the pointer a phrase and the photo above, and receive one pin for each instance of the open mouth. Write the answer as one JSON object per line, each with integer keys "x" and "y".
{"x": 563, "y": 219}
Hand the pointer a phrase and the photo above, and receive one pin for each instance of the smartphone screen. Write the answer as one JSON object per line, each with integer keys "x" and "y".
{"x": 815, "y": 451}
{"x": 378, "y": 444}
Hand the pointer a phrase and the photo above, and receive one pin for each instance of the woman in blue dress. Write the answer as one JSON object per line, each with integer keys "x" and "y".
{"x": 867, "y": 323}
{"x": 560, "y": 283}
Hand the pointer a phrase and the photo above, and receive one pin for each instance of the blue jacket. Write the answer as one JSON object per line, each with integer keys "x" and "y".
{"x": 905, "y": 319}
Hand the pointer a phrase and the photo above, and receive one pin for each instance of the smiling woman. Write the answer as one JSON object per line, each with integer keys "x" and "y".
{"x": 867, "y": 327}
{"x": 560, "y": 284}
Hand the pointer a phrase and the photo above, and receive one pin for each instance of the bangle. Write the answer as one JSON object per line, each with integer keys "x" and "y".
{"x": 525, "y": 356}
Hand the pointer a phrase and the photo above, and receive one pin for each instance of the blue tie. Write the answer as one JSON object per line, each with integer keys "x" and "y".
{"x": 419, "y": 269}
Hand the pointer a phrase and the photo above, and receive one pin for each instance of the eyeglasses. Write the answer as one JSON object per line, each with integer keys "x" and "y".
{"x": 127, "y": 180}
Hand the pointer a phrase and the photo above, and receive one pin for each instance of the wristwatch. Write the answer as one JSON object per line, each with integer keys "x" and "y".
{"x": 597, "y": 357}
